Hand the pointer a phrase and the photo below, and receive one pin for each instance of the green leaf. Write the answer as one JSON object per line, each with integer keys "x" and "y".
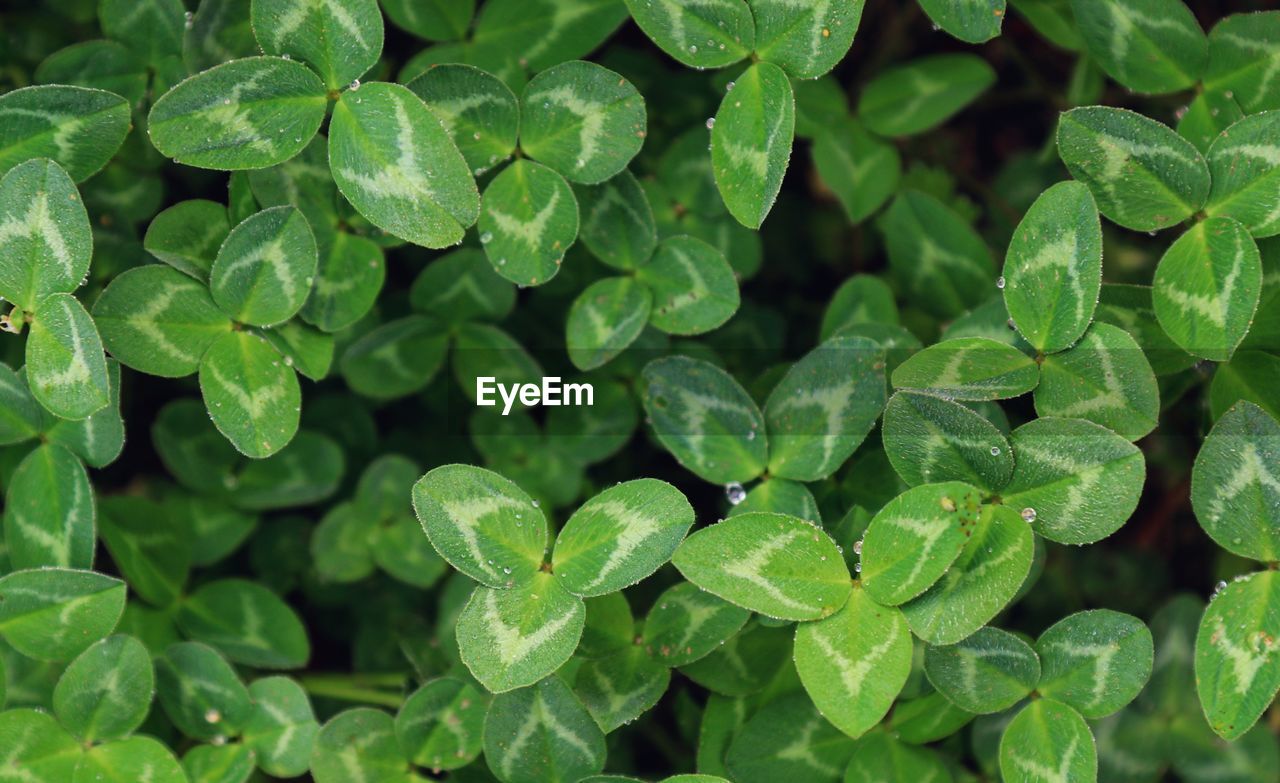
{"x": 1207, "y": 116}
{"x": 1105, "y": 378}
{"x": 1048, "y": 742}
{"x": 774, "y": 564}
{"x": 264, "y": 269}
{"x": 252, "y": 397}
{"x": 396, "y": 359}
{"x": 751, "y": 142}
{"x": 156, "y": 320}
{"x": 981, "y": 582}
{"x": 703, "y": 417}
{"x": 381, "y": 140}
{"x": 781, "y": 496}
{"x": 700, "y": 35}
{"x": 79, "y": 128}
{"x": 20, "y": 414}
{"x": 862, "y": 169}
{"x": 915, "y": 538}
{"x": 1129, "y": 307}
{"x": 988, "y": 672}
{"x": 247, "y": 623}
{"x": 1207, "y": 286}
{"x": 66, "y": 369}
{"x": 219, "y": 31}
{"x": 927, "y": 719}
{"x": 218, "y": 763}
{"x": 306, "y": 471}
{"x": 788, "y": 741}
{"x": 54, "y": 614}
{"x": 435, "y": 21}
{"x": 694, "y": 288}
{"x": 480, "y": 350}
{"x": 245, "y": 114}
{"x": 687, "y": 624}
{"x": 942, "y": 262}
{"x": 1243, "y": 163}
{"x": 768, "y": 648}
{"x": 359, "y": 743}
{"x": 282, "y": 729}
{"x": 528, "y": 221}
{"x": 621, "y": 687}
{"x": 617, "y": 222}
{"x": 1237, "y": 658}
{"x": 606, "y": 318}
{"x": 104, "y": 65}
{"x": 1149, "y": 46}
{"x": 37, "y": 748}
{"x": 1095, "y": 661}
{"x": 923, "y": 93}
{"x": 483, "y": 524}
{"x": 582, "y": 120}
{"x": 1234, "y": 488}
{"x": 930, "y": 439}
{"x": 126, "y": 760}
{"x": 187, "y": 235}
{"x": 1242, "y": 57}
{"x": 968, "y": 368}
{"x": 544, "y": 32}
{"x": 1143, "y": 175}
{"x": 972, "y": 21}
{"x": 45, "y": 236}
{"x": 1251, "y": 376}
{"x": 153, "y": 28}
{"x": 1053, "y": 271}
{"x": 836, "y": 657}
{"x": 805, "y": 40}
{"x": 479, "y": 111}
{"x": 49, "y": 511}
{"x": 620, "y": 536}
{"x": 542, "y": 734}
{"x": 823, "y": 408}
{"x": 341, "y": 38}
{"x": 461, "y": 286}
{"x": 152, "y": 553}
{"x": 1076, "y": 481}
{"x": 200, "y": 692}
{"x": 307, "y": 350}
{"x": 105, "y": 693}
{"x": 441, "y": 724}
{"x": 882, "y": 756}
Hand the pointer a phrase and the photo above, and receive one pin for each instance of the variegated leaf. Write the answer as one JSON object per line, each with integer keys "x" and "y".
{"x": 687, "y": 623}
{"x": 924, "y": 93}
{"x": 152, "y": 28}
{"x": 1207, "y": 116}
{"x": 247, "y": 623}
{"x": 805, "y": 39}
{"x": 937, "y": 255}
{"x": 218, "y": 31}
{"x": 929, "y": 439}
{"x": 478, "y": 110}
{"x": 342, "y": 39}
{"x": 915, "y": 538}
{"x": 1048, "y": 742}
{"x": 1207, "y": 286}
{"x": 782, "y": 496}
{"x": 1235, "y": 484}
{"x": 981, "y": 582}
{"x": 1237, "y": 656}
{"x": 441, "y": 724}
{"x": 927, "y": 718}
{"x": 694, "y": 288}
{"x": 54, "y": 614}
{"x": 394, "y": 161}
{"x": 359, "y": 744}
{"x": 135, "y": 758}
{"x": 968, "y": 368}
{"x": 66, "y": 369}
{"x": 483, "y": 524}
{"x": 701, "y": 34}
{"x": 703, "y": 417}
{"x": 617, "y": 222}
{"x": 789, "y": 741}
{"x": 37, "y": 748}
{"x": 582, "y": 120}
{"x": 542, "y": 733}
{"x": 606, "y": 318}
{"x": 621, "y": 687}
{"x": 45, "y": 238}
{"x": 461, "y": 286}
{"x": 1149, "y": 46}
{"x": 245, "y": 114}
{"x": 78, "y": 127}
{"x": 1143, "y": 175}
{"x": 855, "y": 662}
{"x": 971, "y": 21}
{"x": 620, "y": 536}
{"x": 1105, "y": 378}
{"x": 264, "y": 270}
{"x": 988, "y": 672}
{"x": 49, "y": 517}
{"x": 395, "y": 359}
{"x": 528, "y": 221}
{"x": 823, "y": 408}
{"x": 751, "y": 142}
{"x": 251, "y": 395}
{"x": 1076, "y": 481}
{"x": 218, "y": 763}
{"x": 432, "y": 21}
{"x": 282, "y": 729}
{"x": 187, "y": 235}
{"x": 201, "y": 694}
{"x": 1053, "y": 270}
{"x": 106, "y": 692}
{"x": 21, "y": 417}
{"x": 774, "y": 564}
{"x": 1244, "y": 60}
{"x": 515, "y": 35}
{"x": 725, "y": 670}
{"x": 882, "y": 756}
{"x": 1244, "y": 161}
{"x": 862, "y": 169}
{"x": 159, "y": 321}
{"x": 1095, "y": 661}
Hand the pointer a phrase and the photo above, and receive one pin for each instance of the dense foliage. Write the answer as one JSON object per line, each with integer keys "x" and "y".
{"x": 934, "y": 354}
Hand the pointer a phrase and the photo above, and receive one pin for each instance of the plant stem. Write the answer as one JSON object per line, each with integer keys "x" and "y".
{"x": 365, "y": 688}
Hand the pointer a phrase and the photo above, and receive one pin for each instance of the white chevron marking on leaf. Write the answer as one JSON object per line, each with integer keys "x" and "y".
{"x": 1246, "y": 659}
{"x": 750, "y": 569}
{"x": 1212, "y": 307}
{"x": 512, "y": 644}
{"x": 634, "y": 528}
{"x": 1047, "y": 774}
{"x": 1252, "y": 471}
{"x": 529, "y": 232}
{"x": 407, "y": 178}
{"x": 801, "y": 749}
{"x": 301, "y": 9}
{"x": 466, "y": 515}
{"x": 589, "y": 112}
{"x": 38, "y": 223}
{"x": 853, "y": 672}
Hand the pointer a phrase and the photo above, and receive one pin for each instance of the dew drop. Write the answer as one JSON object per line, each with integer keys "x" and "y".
{"x": 857, "y": 568}
{"x": 486, "y": 237}
{"x": 735, "y": 493}
{"x": 1028, "y": 514}
{"x": 693, "y": 48}
{"x": 1000, "y": 282}
{"x": 535, "y": 504}
{"x": 355, "y": 85}
{"x": 857, "y": 547}
{"x": 191, "y": 20}
{"x": 711, "y": 123}
{"x": 1218, "y": 588}
{"x": 729, "y": 87}
{"x": 995, "y": 451}
{"x": 212, "y": 716}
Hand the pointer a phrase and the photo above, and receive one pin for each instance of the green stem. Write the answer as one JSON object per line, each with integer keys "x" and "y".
{"x": 363, "y": 688}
